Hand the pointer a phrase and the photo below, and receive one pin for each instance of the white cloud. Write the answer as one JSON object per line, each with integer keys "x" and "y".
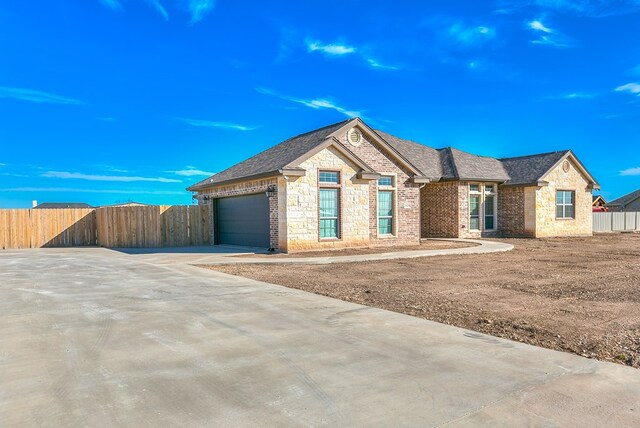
{"x": 470, "y": 35}
{"x": 96, "y": 177}
{"x": 632, "y": 88}
{"x": 76, "y": 190}
{"x": 112, "y": 4}
{"x": 591, "y": 8}
{"x": 330, "y": 49}
{"x": 214, "y": 124}
{"x": 35, "y": 96}
{"x": 630, "y": 171}
{"x": 200, "y": 8}
{"x": 316, "y": 103}
{"x": 158, "y": 6}
{"x": 539, "y": 26}
{"x": 375, "y": 64}
{"x": 191, "y": 171}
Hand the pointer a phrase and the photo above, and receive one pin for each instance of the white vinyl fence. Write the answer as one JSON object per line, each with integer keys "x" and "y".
{"x": 616, "y": 222}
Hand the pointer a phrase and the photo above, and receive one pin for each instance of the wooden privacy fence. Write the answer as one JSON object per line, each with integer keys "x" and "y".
{"x": 112, "y": 227}
{"x": 47, "y": 228}
{"x": 616, "y": 221}
{"x": 153, "y": 226}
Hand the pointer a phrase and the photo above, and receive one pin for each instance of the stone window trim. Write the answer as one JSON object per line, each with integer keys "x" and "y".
{"x": 338, "y": 186}
{"x": 482, "y": 193}
{"x": 394, "y": 197}
{"x": 564, "y": 205}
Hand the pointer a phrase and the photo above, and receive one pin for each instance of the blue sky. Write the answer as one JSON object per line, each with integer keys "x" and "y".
{"x": 104, "y": 101}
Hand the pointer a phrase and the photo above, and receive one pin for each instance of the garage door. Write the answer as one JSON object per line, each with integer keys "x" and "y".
{"x": 243, "y": 220}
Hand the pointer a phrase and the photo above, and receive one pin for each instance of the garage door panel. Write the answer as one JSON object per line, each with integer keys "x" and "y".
{"x": 243, "y": 220}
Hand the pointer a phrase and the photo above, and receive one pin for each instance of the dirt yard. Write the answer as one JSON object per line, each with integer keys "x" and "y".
{"x": 425, "y": 245}
{"x": 580, "y": 295}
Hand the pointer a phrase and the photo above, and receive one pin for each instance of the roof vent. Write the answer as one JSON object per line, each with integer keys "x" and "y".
{"x": 566, "y": 165}
{"x": 354, "y": 137}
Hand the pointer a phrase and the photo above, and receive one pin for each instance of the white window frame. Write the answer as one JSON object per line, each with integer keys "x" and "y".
{"x": 394, "y": 208}
{"x": 483, "y": 193}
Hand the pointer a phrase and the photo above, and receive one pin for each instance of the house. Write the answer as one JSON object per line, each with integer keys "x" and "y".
{"x": 58, "y": 205}
{"x": 349, "y": 185}
{"x": 599, "y": 204}
{"x": 127, "y": 204}
{"x": 628, "y": 202}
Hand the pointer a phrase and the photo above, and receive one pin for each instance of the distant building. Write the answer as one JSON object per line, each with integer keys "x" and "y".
{"x": 128, "y": 204}
{"x": 599, "y": 204}
{"x": 53, "y": 205}
{"x": 628, "y": 202}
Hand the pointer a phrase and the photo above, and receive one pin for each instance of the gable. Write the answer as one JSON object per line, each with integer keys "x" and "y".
{"x": 574, "y": 167}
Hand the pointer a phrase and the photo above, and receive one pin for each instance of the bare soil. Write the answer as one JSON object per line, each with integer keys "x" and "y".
{"x": 425, "y": 245}
{"x": 580, "y": 295}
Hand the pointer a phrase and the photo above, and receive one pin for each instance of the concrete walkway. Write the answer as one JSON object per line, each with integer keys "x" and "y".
{"x": 93, "y": 337}
{"x": 221, "y": 254}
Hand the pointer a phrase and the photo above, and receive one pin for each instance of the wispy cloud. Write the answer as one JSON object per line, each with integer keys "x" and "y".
{"x": 200, "y": 8}
{"x": 572, "y": 96}
{"x": 632, "y": 88}
{"x": 315, "y": 103}
{"x": 590, "y": 8}
{"x": 197, "y": 9}
{"x": 630, "y": 171}
{"x": 375, "y": 64}
{"x": 329, "y": 48}
{"x": 158, "y": 7}
{"x": 635, "y": 70}
{"x": 106, "y": 119}
{"x": 112, "y": 4}
{"x": 539, "y": 26}
{"x": 548, "y": 36}
{"x": 339, "y": 49}
{"x": 79, "y": 190}
{"x": 469, "y": 36}
{"x": 214, "y": 124}
{"x": 35, "y": 96}
{"x": 97, "y": 177}
{"x": 191, "y": 171}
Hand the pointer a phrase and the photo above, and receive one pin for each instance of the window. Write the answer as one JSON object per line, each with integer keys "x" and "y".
{"x": 329, "y": 177}
{"x": 329, "y": 213}
{"x": 385, "y": 212}
{"x": 489, "y": 207}
{"x": 329, "y": 204}
{"x": 386, "y": 204}
{"x": 385, "y": 180}
{"x": 482, "y": 205}
{"x": 565, "y": 204}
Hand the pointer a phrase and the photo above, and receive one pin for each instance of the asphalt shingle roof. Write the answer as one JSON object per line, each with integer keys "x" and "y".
{"x": 624, "y": 200}
{"x": 530, "y": 169}
{"x": 275, "y": 158}
{"x": 425, "y": 158}
{"x": 63, "y": 205}
{"x": 437, "y": 164}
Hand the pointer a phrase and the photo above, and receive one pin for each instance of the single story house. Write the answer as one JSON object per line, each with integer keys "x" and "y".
{"x": 627, "y": 203}
{"x": 599, "y": 204}
{"x": 59, "y": 205}
{"x": 347, "y": 185}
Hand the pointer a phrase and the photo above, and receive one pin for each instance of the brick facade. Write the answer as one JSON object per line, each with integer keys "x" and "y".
{"x": 407, "y": 194}
{"x": 511, "y": 209}
{"x": 439, "y": 206}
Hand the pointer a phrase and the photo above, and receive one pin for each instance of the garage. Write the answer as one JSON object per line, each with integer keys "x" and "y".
{"x": 243, "y": 220}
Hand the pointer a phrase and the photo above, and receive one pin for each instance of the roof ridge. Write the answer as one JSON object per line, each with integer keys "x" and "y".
{"x": 317, "y": 129}
{"x": 534, "y": 155}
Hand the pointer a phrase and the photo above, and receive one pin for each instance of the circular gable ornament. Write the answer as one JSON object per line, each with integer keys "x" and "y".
{"x": 354, "y": 137}
{"x": 566, "y": 166}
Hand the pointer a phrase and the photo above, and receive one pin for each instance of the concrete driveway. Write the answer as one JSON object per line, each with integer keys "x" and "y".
{"x": 93, "y": 337}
